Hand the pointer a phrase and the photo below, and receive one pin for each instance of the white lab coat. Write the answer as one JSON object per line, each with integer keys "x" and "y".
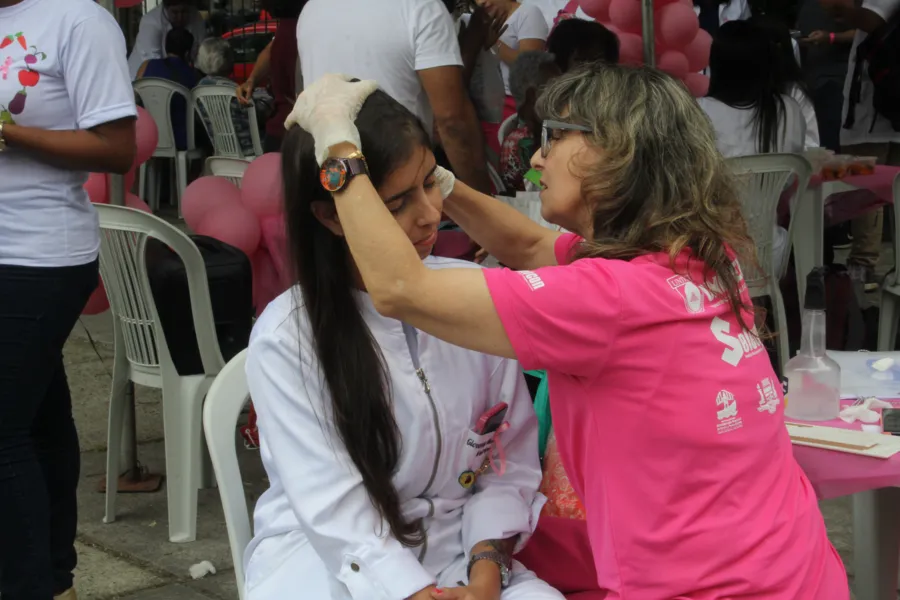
{"x": 317, "y": 534}
{"x": 733, "y": 10}
{"x": 151, "y": 38}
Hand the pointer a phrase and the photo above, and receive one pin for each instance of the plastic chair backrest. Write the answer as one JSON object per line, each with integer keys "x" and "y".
{"x": 506, "y": 127}
{"x": 762, "y": 180}
{"x": 123, "y": 243}
{"x": 896, "y": 220}
{"x": 231, "y": 169}
{"x": 216, "y": 102}
{"x": 496, "y": 181}
{"x": 156, "y": 95}
{"x": 221, "y": 411}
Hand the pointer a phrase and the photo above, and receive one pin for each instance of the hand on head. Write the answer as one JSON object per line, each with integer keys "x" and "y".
{"x": 327, "y": 110}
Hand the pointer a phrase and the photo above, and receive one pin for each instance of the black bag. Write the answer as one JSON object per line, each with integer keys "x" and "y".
{"x": 230, "y": 291}
{"x": 881, "y": 50}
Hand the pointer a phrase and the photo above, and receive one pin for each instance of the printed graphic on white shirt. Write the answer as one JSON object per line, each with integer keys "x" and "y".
{"x": 768, "y": 396}
{"x": 727, "y": 413}
{"x": 743, "y": 344}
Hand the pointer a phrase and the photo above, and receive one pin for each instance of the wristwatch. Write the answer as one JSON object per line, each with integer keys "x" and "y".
{"x": 336, "y": 173}
{"x": 501, "y": 560}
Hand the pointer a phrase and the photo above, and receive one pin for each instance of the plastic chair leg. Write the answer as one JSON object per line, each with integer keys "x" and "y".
{"x": 181, "y": 172}
{"x": 182, "y": 408}
{"x": 887, "y": 321}
{"x": 142, "y": 183}
{"x": 117, "y": 400}
{"x": 783, "y": 348}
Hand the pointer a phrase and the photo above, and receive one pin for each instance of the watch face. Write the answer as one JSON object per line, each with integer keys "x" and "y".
{"x": 333, "y": 175}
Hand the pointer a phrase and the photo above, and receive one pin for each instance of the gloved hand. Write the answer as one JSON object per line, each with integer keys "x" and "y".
{"x": 327, "y": 110}
{"x": 445, "y": 180}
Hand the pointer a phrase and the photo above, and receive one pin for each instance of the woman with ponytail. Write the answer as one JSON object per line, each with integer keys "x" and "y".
{"x": 388, "y": 476}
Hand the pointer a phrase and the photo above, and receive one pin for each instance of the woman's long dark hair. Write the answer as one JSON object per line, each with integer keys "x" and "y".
{"x": 349, "y": 357}
{"x": 745, "y": 73}
{"x": 780, "y": 36}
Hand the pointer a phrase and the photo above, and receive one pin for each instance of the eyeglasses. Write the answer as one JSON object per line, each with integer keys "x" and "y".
{"x": 547, "y": 127}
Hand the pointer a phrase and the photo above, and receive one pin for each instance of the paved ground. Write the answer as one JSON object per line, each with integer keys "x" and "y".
{"x": 132, "y": 557}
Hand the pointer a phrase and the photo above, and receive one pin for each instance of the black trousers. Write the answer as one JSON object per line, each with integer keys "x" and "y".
{"x": 39, "y": 453}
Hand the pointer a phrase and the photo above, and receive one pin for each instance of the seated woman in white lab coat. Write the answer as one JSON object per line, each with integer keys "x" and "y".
{"x": 747, "y": 104}
{"x": 387, "y": 481}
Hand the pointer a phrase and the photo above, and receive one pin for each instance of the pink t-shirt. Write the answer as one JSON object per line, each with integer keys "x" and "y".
{"x": 669, "y": 421}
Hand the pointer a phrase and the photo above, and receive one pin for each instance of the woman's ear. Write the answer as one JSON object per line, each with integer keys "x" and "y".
{"x": 327, "y": 216}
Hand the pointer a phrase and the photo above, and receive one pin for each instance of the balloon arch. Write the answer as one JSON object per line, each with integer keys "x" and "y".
{"x": 661, "y": 33}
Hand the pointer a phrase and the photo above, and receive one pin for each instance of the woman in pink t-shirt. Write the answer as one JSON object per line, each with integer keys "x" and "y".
{"x": 667, "y": 412}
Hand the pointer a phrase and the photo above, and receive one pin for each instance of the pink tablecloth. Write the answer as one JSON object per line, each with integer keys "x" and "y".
{"x": 874, "y": 190}
{"x": 836, "y": 474}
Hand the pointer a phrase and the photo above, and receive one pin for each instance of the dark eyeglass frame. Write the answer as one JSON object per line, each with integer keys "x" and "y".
{"x": 549, "y": 126}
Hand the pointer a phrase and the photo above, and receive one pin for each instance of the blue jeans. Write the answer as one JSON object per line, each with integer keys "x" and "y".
{"x": 39, "y": 453}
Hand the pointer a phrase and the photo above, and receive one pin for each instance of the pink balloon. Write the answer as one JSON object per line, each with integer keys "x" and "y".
{"x": 677, "y": 24}
{"x": 232, "y": 224}
{"x": 130, "y": 176}
{"x": 132, "y": 201}
{"x": 267, "y": 283}
{"x": 626, "y": 15}
{"x": 146, "y": 136}
{"x": 261, "y": 187}
{"x": 697, "y": 83}
{"x": 97, "y": 188}
{"x": 697, "y": 52}
{"x": 595, "y": 9}
{"x": 631, "y": 49}
{"x": 98, "y": 302}
{"x": 206, "y": 195}
{"x": 674, "y": 63}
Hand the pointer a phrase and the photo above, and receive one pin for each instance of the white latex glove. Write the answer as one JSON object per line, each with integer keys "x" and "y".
{"x": 445, "y": 180}
{"x": 327, "y": 110}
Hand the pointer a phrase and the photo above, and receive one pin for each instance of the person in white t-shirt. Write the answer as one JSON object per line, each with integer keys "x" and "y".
{"x": 151, "y": 37}
{"x": 747, "y": 104}
{"x": 715, "y": 13}
{"x": 868, "y": 133}
{"x": 526, "y": 30}
{"x": 549, "y": 8}
{"x": 410, "y": 48}
{"x": 66, "y": 109}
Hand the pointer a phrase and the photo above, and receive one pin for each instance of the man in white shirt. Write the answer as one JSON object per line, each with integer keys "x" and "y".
{"x": 870, "y": 134}
{"x": 410, "y": 48}
{"x": 151, "y": 37}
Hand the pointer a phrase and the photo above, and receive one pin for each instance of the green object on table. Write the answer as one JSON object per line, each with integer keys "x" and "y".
{"x": 534, "y": 176}
{"x": 542, "y": 409}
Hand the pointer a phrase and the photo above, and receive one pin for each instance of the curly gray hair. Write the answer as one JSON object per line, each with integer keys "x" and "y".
{"x": 215, "y": 57}
{"x": 529, "y": 71}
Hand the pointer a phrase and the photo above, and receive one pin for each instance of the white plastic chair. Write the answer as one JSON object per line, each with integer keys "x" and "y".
{"x": 231, "y": 169}
{"x": 226, "y": 398}
{"x": 890, "y": 291}
{"x": 216, "y": 101}
{"x": 156, "y": 95}
{"x": 506, "y": 127}
{"x": 763, "y": 178}
{"x": 142, "y": 356}
{"x": 496, "y": 181}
